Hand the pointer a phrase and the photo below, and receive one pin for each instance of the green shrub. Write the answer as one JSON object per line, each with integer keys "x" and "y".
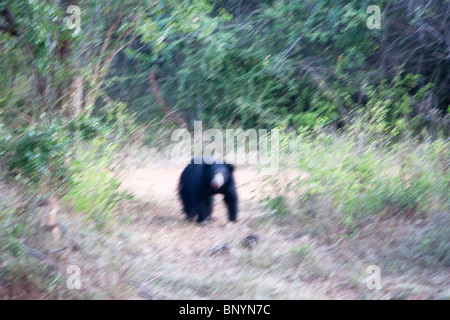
{"x": 93, "y": 188}
{"x": 39, "y": 152}
{"x": 72, "y": 159}
{"x": 278, "y": 205}
{"x": 87, "y": 127}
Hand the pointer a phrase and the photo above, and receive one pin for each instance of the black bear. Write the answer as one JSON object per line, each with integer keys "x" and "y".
{"x": 200, "y": 181}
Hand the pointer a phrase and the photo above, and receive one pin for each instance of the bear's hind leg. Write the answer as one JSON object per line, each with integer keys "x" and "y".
{"x": 190, "y": 215}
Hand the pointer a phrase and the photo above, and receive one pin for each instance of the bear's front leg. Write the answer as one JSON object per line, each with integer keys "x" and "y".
{"x": 204, "y": 208}
{"x": 231, "y": 201}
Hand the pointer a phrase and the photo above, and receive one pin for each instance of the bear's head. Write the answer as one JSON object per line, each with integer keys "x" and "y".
{"x": 218, "y": 174}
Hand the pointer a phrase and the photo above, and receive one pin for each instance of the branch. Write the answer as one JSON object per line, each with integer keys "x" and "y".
{"x": 101, "y": 70}
{"x": 10, "y": 27}
{"x": 165, "y": 108}
{"x": 105, "y": 45}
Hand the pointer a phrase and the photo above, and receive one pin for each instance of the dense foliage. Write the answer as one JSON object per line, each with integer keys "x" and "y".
{"x": 259, "y": 62}
{"x": 298, "y": 63}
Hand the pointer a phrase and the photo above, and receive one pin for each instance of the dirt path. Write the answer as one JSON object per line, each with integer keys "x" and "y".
{"x": 181, "y": 260}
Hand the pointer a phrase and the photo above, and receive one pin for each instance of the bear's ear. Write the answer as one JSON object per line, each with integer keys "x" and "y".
{"x": 230, "y": 167}
{"x": 208, "y": 161}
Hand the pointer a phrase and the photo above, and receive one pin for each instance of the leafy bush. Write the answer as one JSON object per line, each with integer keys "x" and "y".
{"x": 93, "y": 188}
{"x": 72, "y": 159}
{"x": 278, "y": 205}
{"x": 39, "y": 152}
{"x": 88, "y": 127}
{"x": 45, "y": 151}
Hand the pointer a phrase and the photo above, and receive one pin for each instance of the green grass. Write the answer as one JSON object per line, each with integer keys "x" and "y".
{"x": 363, "y": 174}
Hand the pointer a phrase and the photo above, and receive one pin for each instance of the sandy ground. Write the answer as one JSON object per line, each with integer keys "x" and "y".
{"x": 154, "y": 253}
{"x": 186, "y": 261}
